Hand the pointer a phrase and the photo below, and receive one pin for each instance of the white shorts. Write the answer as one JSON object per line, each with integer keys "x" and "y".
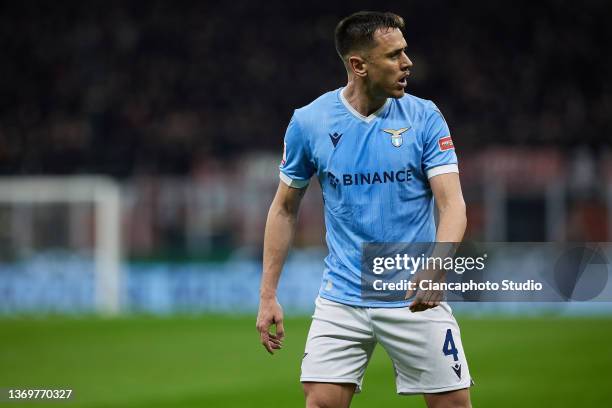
{"x": 425, "y": 347}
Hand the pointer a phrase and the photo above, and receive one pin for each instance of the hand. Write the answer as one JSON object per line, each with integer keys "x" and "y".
{"x": 270, "y": 313}
{"x": 428, "y": 298}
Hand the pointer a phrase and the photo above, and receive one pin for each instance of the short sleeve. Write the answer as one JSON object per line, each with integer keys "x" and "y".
{"x": 296, "y": 167}
{"x": 438, "y": 150}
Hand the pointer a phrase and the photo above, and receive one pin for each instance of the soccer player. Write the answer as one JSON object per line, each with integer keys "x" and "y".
{"x": 385, "y": 160}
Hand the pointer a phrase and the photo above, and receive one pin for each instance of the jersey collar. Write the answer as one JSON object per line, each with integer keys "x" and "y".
{"x": 366, "y": 119}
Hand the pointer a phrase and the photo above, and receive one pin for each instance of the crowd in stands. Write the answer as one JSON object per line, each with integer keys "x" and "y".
{"x": 129, "y": 88}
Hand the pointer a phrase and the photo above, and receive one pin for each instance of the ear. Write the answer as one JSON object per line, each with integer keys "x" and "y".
{"x": 358, "y": 66}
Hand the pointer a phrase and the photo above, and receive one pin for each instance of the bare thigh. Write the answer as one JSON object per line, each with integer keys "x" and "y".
{"x": 328, "y": 395}
{"x": 450, "y": 399}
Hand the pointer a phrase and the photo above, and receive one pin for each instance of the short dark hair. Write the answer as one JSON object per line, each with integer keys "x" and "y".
{"x": 357, "y": 30}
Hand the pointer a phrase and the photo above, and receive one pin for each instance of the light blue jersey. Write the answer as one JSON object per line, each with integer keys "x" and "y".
{"x": 374, "y": 172}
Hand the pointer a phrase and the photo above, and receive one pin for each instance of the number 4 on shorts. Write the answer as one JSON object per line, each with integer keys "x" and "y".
{"x": 449, "y": 346}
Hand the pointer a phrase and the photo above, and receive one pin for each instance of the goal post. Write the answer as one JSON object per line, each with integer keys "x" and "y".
{"x": 104, "y": 194}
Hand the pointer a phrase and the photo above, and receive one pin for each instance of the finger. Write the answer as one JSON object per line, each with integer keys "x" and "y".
{"x": 275, "y": 337}
{"x": 266, "y": 343}
{"x": 263, "y": 325}
{"x": 436, "y": 298}
{"x": 418, "y": 298}
{"x": 415, "y": 304}
{"x": 280, "y": 330}
{"x": 431, "y": 304}
{"x": 264, "y": 338}
{"x": 275, "y": 341}
{"x": 418, "y": 306}
{"x": 428, "y": 297}
{"x": 409, "y": 294}
{"x": 275, "y": 344}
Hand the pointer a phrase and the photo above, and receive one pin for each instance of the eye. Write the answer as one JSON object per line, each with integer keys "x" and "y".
{"x": 398, "y": 53}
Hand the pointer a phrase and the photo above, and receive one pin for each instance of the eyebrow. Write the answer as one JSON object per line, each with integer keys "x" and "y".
{"x": 396, "y": 51}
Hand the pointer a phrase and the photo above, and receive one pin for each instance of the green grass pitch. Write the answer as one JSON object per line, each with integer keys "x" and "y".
{"x": 216, "y": 361}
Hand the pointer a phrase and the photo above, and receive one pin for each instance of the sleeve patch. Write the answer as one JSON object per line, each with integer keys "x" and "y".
{"x": 446, "y": 143}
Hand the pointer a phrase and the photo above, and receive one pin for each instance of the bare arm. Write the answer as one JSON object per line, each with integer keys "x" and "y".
{"x": 280, "y": 229}
{"x": 446, "y": 189}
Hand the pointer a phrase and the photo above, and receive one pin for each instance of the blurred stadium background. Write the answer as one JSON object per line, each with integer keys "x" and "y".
{"x": 139, "y": 144}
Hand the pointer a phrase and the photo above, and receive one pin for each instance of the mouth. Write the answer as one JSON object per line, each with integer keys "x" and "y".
{"x": 403, "y": 80}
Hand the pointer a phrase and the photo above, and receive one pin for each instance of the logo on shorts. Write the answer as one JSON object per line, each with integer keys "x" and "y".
{"x": 396, "y": 135}
{"x": 457, "y": 369}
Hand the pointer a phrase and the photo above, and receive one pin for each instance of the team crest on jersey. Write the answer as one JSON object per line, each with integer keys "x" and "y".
{"x": 396, "y": 136}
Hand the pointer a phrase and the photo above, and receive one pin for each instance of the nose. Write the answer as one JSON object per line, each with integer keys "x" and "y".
{"x": 406, "y": 62}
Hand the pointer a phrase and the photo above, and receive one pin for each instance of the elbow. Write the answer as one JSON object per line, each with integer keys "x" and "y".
{"x": 462, "y": 214}
{"x": 464, "y": 217}
{"x": 455, "y": 211}
{"x": 455, "y": 207}
{"x": 462, "y": 210}
{"x": 283, "y": 210}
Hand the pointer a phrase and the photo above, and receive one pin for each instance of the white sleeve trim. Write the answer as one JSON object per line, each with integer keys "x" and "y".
{"x": 446, "y": 168}
{"x": 293, "y": 183}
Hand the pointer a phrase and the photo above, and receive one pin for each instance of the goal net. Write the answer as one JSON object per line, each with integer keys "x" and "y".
{"x": 60, "y": 244}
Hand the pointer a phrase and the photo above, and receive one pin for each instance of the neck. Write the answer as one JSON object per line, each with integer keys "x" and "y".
{"x": 361, "y": 99}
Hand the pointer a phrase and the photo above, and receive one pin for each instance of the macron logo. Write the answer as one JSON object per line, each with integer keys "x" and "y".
{"x": 335, "y": 138}
{"x": 457, "y": 369}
